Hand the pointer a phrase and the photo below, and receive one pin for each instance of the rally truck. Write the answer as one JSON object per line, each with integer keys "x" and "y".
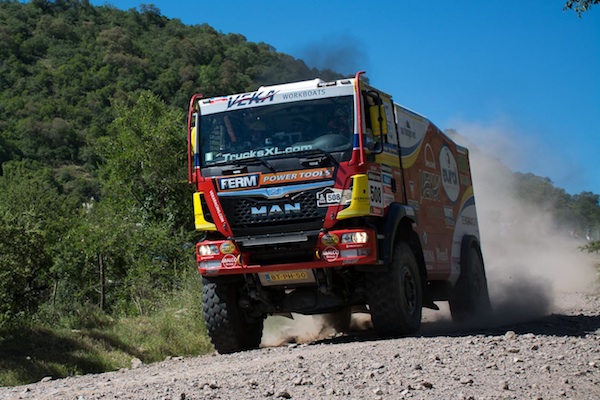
{"x": 320, "y": 197}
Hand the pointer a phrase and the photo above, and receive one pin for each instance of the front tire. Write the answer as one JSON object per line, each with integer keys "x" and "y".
{"x": 395, "y": 297}
{"x": 229, "y": 328}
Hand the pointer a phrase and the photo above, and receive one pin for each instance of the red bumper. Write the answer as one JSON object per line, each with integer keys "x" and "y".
{"x": 337, "y": 248}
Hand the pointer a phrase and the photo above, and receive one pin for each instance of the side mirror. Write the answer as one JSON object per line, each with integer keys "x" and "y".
{"x": 378, "y": 120}
{"x": 373, "y": 146}
{"x": 193, "y": 140}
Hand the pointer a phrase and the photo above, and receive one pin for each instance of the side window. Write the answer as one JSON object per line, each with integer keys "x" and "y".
{"x": 377, "y": 115}
{"x": 391, "y": 136}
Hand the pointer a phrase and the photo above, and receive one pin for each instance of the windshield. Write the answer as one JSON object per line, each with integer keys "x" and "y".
{"x": 277, "y": 129}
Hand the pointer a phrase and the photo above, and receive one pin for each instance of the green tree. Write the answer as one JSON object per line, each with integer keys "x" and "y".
{"x": 32, "y": 217}
{"x": 91, "y": 262}
{"x": 586, "y": 209}
{"x": 537, "y": 190}
{"x": 146, "y": 161}
{"x": 24, "y": 267}
{"x": 580, "y": 6}
{"x": 130, "y": 246}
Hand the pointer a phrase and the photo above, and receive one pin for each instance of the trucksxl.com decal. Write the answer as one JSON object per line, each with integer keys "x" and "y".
{"x": 269, "y": 151}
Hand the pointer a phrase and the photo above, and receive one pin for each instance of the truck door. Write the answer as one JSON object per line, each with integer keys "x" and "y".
{"x": 381, "y": 138}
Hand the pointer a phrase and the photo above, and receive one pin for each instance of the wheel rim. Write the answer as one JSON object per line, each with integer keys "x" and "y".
{"x": 410, "y": 291}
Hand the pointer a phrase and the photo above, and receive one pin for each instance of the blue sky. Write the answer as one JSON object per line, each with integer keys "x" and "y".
{"x": 520, "y": 79}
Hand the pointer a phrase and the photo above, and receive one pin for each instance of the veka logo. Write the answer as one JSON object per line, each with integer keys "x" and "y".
{"x": 247, "y": 99}
{"x": 273, "y": 210}
{"x": 238, "y": 182}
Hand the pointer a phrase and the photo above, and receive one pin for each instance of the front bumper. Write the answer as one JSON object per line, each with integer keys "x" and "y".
{"x": 336, "y": 248}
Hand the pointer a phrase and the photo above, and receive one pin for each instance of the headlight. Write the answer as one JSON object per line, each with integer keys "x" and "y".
{"x": 208, "y": 250}
{"x": 355, "y": 237}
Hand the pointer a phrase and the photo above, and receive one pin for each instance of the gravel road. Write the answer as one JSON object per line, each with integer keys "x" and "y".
{"x": 550, "y": 356}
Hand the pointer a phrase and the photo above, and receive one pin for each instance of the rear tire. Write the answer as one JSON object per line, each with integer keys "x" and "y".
{"x": 229, "y": 328}
{"x": 470, "y": 299}
{"x": 395, "y": 297}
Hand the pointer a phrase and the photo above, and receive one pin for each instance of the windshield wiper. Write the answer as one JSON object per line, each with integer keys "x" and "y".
{"x": 251, "y": 160}
{"x": 321, "y": 153}
{"x": 242, "y": 162}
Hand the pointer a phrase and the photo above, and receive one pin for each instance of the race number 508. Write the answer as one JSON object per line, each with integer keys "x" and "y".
{"x": 333, "y": 198}
{"x": 375, "y": 195}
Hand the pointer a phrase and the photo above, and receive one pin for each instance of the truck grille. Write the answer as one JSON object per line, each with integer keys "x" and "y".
{"x": 254, "y": 212}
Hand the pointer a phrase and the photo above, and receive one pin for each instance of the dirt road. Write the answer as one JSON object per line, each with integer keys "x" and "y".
{"x": 556, "y": 356}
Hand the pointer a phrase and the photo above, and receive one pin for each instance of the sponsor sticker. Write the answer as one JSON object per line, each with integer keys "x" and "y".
{"x": 375, "y": 191}
{"x": 468, "y": 220}
{"x": 430, "y": 185}
{"x": 227, "y": 248}
{"x": 329, "y": 196}
{"x": 279, "y": 209}
{"x": 429, "y": 159}
{"x": 408, "y": 131}
{"x": 255, "y": 180}
{"x": 449, "y": 173}
{"x": 304, "y": 94}
{"x": 441, "y": 254}
{"x": 465, "y": 180}
{"x": 248, "y": 99}
{"x": 330, "y": 239}
{"x": 293, "y": 176}
{"x": 330, "y": 254}
{"x": 217, "y": 206}
{"x": 229, "y": 261}
{"x": 238, "y": 182}
{"x": 449, "y": 216}
{"x": 266, "y": 152}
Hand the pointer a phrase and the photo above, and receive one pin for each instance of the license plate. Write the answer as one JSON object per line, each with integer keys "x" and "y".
{"x": 286, "y": 277}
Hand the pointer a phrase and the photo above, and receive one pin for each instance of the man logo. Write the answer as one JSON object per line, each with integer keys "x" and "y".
{"x": 274, "y": 210}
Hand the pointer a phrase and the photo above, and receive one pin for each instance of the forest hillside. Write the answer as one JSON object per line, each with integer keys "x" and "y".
{"x": 92, "y": 142}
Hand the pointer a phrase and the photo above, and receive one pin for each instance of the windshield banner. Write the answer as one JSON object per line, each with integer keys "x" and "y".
{"x": 266, "y": 152}
{"x": 259, "y": 179}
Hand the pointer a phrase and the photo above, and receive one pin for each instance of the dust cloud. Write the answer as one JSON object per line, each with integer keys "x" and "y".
{"x": 529, "y": 260}
{"x": 280, "y": 330}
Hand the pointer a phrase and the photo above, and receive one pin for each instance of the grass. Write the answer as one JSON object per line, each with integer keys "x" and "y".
{"x": 31, "y": 353}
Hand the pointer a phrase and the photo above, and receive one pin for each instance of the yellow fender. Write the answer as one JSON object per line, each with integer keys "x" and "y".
{"x": 360, "y": 204}
{"x": 201, "y": 223}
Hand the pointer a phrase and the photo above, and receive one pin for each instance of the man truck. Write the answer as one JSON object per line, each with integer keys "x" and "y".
{"x": 319, "y": 197}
